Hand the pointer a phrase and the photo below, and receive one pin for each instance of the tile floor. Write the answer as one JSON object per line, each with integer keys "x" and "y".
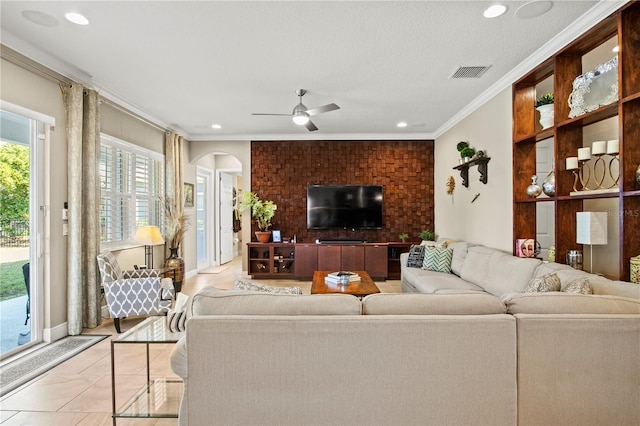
{"x": 78, "y": 391}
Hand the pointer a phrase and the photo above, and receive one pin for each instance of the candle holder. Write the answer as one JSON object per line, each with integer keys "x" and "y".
{"x": 615, "y": 179}
{"x": 584, "y": 174}
{"x": 575, "y": 180}
{"x": 599, "y": 180}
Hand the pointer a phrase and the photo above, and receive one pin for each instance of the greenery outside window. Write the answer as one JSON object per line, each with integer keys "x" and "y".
{"x": 131, "y": 190}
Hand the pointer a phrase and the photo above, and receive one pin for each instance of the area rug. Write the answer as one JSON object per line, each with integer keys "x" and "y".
{"x": 214, "y": 269}
{"x": 25, "y": 368}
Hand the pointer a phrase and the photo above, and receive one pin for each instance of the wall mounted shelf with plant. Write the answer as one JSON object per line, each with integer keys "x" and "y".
{"x": 481, "y": 162}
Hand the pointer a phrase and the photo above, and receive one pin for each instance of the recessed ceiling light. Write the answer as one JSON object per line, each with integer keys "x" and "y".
{"x": 76, "y": 18}
{"x": 616, "y": 49}
{"x": 40, "y": 18}
{"x": 216, "y": 126}
{"x": 495, "y": 11}
{"x": 402, "y": 124}
{"x": 533, "y": 9}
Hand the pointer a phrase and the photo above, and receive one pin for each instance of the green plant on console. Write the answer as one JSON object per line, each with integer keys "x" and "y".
{"x": 428, "y": 235}
{"x": 545, "y": 99}
{"x": 403, "y": 237}
{"x": 262, "y": 211}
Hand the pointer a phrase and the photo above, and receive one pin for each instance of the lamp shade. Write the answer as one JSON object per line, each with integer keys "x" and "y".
{"x": 591, "y": 228}
{"x": 149, "y": 236}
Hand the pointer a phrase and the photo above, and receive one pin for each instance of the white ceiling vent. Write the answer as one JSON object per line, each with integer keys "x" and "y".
{"x": 469, "y": 72}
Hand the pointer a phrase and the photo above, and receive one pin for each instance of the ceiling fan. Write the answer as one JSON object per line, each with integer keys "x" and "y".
{"x": 301, "y": 113}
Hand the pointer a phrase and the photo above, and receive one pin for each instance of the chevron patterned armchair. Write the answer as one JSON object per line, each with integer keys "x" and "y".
{"x": 133, "y": 293}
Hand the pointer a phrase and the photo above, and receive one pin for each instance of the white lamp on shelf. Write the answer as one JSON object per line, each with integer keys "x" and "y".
{"x": 591, "y": 229}
{"x": 149, "y": 236}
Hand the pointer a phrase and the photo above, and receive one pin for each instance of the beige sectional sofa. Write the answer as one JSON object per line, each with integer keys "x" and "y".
{"x": 456, "y": 356}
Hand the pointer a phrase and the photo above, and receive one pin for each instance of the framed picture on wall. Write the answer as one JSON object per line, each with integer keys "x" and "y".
{"x": 277, "y": 238}
{"x": 188, "y": 195}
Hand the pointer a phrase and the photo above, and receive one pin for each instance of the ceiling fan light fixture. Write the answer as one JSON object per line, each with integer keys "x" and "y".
{"x": 300, "y": 118}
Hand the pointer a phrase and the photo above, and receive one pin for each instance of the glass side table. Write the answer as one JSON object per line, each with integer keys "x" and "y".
{"x": 160, "y": 397}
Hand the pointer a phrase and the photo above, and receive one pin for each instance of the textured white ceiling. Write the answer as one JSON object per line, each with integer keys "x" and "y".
{"x": 189, "y": 64}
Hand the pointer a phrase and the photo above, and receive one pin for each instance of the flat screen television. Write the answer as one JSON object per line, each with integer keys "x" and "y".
{"x": 344, "y": 207}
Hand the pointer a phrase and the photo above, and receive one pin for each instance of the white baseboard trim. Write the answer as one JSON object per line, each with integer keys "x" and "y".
{"x": 191, "y": 273}
{"x": 56, "y": 333}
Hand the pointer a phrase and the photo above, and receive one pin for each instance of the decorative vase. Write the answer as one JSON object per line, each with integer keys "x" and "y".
{"x": 638, "y": 175}
{"x": 534, "y": 189}
{"x": 546, "y": 115}
{"x": 549, "y": 184}
{"x": 177, "y": 263}
{"x": 574, "y": 259}
{"x": 263, "y": 236}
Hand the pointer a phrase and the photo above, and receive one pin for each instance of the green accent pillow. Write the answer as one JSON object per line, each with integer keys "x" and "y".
{"x": 437, "y": 259}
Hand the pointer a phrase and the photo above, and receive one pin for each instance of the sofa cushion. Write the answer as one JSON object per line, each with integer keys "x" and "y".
{"x": 579, "y": 286}
{"x": 437, "y": 259}
{"x": 255, "y": 286}
{"x": 496, "y": 271}
{"x": 416, "y": 256}
{"x": 615, "y": 288}
{"x": 459, "y": 254}
{"x": 432, "y": 304}
{"x": 213, "y": 301}
{"x": 424, "y": 281}
{"x": 476, "y": 264}
{"x": 568, "y": 303}
{"x": 549, "y": 282}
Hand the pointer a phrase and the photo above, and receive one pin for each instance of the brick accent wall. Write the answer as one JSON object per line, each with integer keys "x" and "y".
{"x": 281, "y": 171}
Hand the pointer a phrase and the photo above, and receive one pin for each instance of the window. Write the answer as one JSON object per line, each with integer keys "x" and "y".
{"x": 131, "y": 189}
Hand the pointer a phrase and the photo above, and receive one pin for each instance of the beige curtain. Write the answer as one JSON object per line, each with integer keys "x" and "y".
{"x": 173, "y": 172}
{"x": 83, "y": 148}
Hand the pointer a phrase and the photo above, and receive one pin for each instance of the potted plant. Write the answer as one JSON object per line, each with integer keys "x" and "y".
{"x": 403, "y": 237}
{"x": 428, "y": 235}
{"x": 176, "y": 224}
{"x": 465, "y": 150}
{"x": 467, "y": 153}
{"x": 262, "y": 211}
{"x": 544, "y": 104}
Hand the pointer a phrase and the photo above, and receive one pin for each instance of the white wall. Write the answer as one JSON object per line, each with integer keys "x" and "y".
{"x": 488, "y": 220}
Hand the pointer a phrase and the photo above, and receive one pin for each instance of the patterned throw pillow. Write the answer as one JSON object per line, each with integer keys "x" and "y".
{"x": 545, "y": 283}
{"x": 416, "y": 256}
{"x": 252, "y": 286}
{"x": 437, "y": 259}
{"x": 578, "y": 286}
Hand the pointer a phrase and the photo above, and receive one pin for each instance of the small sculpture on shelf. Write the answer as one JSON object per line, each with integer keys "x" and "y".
{"x": 534, "y": 189}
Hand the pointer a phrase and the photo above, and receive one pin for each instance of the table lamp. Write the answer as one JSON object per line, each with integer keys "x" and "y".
{"x": 591, "y": 229}
{"x": 149, "y": 236}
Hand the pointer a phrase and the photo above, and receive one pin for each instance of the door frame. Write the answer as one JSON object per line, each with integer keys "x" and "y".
{"x": 232, "y": 172}
{"x": 40, "y": 127}
{"x": 207, "y": 174}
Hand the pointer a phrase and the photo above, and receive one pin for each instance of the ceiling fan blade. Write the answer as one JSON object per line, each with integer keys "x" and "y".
{"x": 320, "y": 110}
{"x": 310, "y": 126}
{"x": 267, "y": 113}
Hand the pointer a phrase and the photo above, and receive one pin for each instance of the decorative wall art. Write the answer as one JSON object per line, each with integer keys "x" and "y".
{"x": 594, "y": 89}
{"x": 188, "y": 195}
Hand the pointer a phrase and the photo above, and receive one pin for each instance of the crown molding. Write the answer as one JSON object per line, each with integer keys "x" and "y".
{"x": 313, "y": 137}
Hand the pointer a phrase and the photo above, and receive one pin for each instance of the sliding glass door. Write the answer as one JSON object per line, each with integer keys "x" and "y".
{"x": 21, "y": 226}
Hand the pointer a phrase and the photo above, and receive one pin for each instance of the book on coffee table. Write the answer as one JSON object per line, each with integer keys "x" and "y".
{"x": 336, "y": 277}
